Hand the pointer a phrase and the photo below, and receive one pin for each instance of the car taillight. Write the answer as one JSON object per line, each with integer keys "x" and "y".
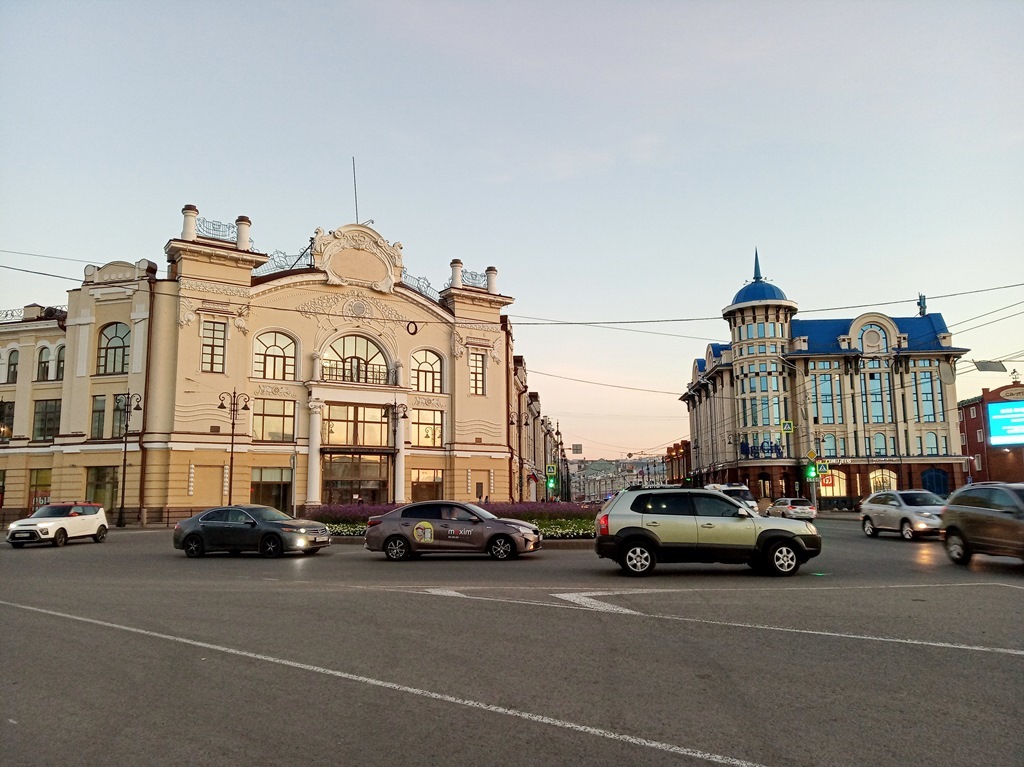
{"x": 177, "y": 525}
{"x": 372, "y": 522}
{"x": 602, "y": 525}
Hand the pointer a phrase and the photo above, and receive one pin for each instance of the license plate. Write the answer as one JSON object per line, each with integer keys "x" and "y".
{"x": 321, "y": 539}
{"x": 23, "y": 535}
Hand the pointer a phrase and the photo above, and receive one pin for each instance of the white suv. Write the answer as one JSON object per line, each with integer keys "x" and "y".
{"x": 55, "y": 523}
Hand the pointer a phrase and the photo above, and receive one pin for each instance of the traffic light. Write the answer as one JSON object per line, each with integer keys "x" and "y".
{"x": 811, "y": 472}
{"x": 551, "y": 483}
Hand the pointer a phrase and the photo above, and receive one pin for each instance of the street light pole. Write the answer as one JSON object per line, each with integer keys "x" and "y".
{"x": 232, "y": 402}
{"x": 129, "y": 402}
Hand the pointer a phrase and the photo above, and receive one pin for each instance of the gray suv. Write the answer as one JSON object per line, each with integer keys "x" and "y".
{"x": 985, "y": 518}
{"x": 642, "y": 526}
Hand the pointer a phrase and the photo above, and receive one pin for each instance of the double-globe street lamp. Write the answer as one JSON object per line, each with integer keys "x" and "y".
{"x": 233, "y": 403}
{"x": 127, "y": 403}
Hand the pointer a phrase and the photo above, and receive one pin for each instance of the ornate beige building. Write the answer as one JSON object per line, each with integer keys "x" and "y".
{"x": 331, "y": 378}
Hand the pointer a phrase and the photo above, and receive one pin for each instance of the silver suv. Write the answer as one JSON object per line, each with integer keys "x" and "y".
{"x": 985, "y": 518}
{"x": 642, "y": 526}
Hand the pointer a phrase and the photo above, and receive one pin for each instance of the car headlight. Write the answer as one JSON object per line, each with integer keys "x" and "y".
{"x": 811, "y": 528}
{"x": 294, "y": 529}
{"x": 925, "y": 515}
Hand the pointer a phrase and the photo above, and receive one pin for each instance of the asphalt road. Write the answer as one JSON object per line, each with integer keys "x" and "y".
{"x": 880, "y": 652}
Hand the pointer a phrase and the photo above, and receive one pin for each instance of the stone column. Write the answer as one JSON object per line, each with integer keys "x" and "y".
{"x": 313, "y": 477}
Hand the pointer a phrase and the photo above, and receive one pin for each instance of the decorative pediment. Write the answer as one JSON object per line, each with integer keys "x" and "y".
{"x": 357, "y": 255}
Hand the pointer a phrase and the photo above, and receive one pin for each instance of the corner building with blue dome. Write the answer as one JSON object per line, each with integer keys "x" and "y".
{"x": 873, "y": 398}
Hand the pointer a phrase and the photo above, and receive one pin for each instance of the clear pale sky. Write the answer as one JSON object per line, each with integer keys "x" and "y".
{"x": 616, "y": 161}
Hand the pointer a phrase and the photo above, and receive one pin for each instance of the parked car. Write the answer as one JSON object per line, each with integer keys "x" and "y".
{"x": 792, "y": 508}
{"x": 249, "y": 527}
{"x": 450, "y": 527}
{"x": 911, "y": 513}
{"x": 57, "y": 523}
{"x": 643, "y": 527}
{"x": 985, "y": 518}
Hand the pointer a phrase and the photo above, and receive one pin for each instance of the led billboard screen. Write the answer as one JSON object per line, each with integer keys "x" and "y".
{"x": 1006, "y": 423}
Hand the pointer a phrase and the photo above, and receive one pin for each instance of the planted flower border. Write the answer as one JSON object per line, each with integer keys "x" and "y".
{"x": 563, "y": 521}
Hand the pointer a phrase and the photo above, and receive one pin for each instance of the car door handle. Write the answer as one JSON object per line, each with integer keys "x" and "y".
{"x": 405, "y": 524}
{"x": 653, "y": 524}
{"x": 707, "y": 524}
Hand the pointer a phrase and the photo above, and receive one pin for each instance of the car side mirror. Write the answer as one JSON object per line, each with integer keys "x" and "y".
{"x": 251, "y": 523}
{"x": 744, "y": 513}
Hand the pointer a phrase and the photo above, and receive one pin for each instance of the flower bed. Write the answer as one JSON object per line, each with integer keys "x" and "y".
{"x": 555, "y": 520}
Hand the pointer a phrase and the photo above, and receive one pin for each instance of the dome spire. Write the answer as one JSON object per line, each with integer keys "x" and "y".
{"x": 757, "y": 268}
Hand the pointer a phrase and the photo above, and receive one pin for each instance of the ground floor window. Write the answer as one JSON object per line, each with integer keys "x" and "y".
{"x": 882, "y": 479}
{"x": 271, "y": 487}
{"x": 833, "y": 484}
{"x": 936, "y": 480}
{"x": 101, "y": 485}
{"x": 356, "y": 479}
{"x": 38, "y": 487}
{"x": 427, "y": 484}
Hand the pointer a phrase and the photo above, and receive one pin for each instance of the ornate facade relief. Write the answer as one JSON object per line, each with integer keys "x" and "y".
{"x": 358, "y": 256}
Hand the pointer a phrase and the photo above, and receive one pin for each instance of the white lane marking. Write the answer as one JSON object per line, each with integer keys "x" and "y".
{"x": 584, "y": 599}
{"x": 446, "y": 593}
{"x": 538, "y": 718}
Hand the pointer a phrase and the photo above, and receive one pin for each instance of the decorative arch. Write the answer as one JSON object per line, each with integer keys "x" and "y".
{"x": 273, "y": 356}
{"x": 426, "y": 371}
{"x": 112, "y": 349}
{"x": 43, "y": 364}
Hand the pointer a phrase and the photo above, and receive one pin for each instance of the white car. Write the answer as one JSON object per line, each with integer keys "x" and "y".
{"x": 56, "y": 523}
{"x": 793, "y": 508}
{"x": 911, "y": 513}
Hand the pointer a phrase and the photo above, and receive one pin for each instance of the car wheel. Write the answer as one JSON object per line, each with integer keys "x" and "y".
{"x": 101, "y": 534}
{"x": 396, "y": 548}
{"x": 782, "y": 559}
{"x": 271, "y": 546}
{"x": 501, "y": 547}
{"x": 956, "y": 547}
{"x": 193, "y": 546}
{"x": 906, "y": 530}
{"x": 60, "y": 538}
{"x": 869, "y": 527}
{"x": 638, "y": 559}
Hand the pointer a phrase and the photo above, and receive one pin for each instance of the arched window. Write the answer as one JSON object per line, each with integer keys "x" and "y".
{"x": 426, "y": 371}
{"x": 931, "y": 442}
{"x": 12, "y": 367}
{"x": 43, "y": 365}
{"x": 882, "y": 479}
{"x": 873, "y": 339}
{"x": 60, "y": 364}
{"x": 274, "y": 357}
{"x": 355, "y": 359}
{"x": 828, "y": 446}
{"x": 112, "y": 355}
{"x": 879, "y": 444}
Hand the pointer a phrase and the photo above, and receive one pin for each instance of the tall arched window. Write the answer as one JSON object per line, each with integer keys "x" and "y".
{"x": 60, "y": 363}
{"x": 879, "y": 444}
{"x": 12, "y": 367}
{"x": 112, "y": 353}
{"x": 43, "y": 365}
{"x": 355, "y": 359}
{"x": 931, "y": 443}
{"x": 426, "y": 371}
{"x": 274, "y": 357}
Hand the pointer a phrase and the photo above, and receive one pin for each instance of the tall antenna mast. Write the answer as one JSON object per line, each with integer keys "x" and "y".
{"x": 355, "y": 188}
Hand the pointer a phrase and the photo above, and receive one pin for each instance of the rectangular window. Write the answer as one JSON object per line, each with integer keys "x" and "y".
{"x": 963, "y": 439}
{"x": 974, "y": 412}
{"x": 6, "y": 421}
{"x": 760, "y": 330}
{"x": 426, "y": 428}
{"x": 476, "y": 373}
{"x": 39, "y": 487}
{"x": 355, "y": 425}
{"x": 980, "y": 436}
{"x": 46, "y": 419}
{"x": 273, "y": 420}
{"x": 99, "y": 413}
{"x": 215, "y": 336}
{"x": 120, "y": 413}
{"x": 101, "y": 485}
{"x": 427, "y": 484}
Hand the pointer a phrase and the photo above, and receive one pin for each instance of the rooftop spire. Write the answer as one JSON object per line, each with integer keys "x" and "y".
{"x": 757, "y": 268}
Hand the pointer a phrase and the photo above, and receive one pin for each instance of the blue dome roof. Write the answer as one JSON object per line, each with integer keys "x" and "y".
{"x": 758, "y": 290}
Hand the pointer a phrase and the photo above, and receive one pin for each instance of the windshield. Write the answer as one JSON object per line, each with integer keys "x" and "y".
{"x": 921, "y": 499}
{"x": 484, "y": 513}
{"x": 47, "y": 512}
{"x": 266, "y": 513}
{"x": 739, "y": 493}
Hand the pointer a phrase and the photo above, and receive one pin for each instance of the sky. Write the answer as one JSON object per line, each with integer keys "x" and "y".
{"x": 617, "y": 162}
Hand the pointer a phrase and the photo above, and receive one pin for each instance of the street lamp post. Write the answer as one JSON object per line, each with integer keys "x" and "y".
{"x": 233, "y": 403}
{"x": 128, "y": 402}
